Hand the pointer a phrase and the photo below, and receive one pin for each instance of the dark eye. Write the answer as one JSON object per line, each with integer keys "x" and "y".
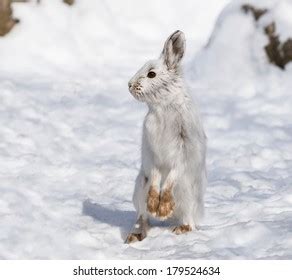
{"x": 151, "y": 74}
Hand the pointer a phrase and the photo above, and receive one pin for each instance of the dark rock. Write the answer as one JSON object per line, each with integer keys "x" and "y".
{"x": 279, "y": 53}
{"x": 257, "y": 13}
{"x": 6, "y": 20}
{"x": 69, "y": 2}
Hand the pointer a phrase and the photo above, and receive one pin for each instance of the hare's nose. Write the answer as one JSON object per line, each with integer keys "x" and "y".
{"x": 130, "y": 84}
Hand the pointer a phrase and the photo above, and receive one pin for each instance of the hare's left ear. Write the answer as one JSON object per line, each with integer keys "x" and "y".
{"x": 174, "y": 49}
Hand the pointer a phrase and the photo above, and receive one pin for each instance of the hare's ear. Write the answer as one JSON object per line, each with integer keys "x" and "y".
{"x": 174, "y": 49}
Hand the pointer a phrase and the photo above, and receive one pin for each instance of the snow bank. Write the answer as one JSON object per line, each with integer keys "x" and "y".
{"x": 237, "y": 45}
{"x": 247, "y": 107}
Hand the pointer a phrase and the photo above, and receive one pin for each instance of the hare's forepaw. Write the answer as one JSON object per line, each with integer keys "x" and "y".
{"x": 166, "y": 205}
{"x": 152, "y": 201}
{"x": 160, "y": 205}
{"x": 182, "y": 229}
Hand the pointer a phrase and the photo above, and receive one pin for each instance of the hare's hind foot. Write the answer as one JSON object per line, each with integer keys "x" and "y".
{"x": 166, "y": 205}
{"x": 139, "y": 231}
{"x": 152, "y": 201}
{"x": 134, "y": 237}
{"x": 182, "y": 229}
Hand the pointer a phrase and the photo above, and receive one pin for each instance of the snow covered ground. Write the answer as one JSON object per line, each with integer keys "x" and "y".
{"x": 70, "y": 131}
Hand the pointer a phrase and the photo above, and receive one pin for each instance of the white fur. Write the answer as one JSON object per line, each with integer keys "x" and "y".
{"x": 173, "y": 142}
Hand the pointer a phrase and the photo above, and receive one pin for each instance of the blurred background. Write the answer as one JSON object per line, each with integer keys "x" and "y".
{"x": 96, "y": 34}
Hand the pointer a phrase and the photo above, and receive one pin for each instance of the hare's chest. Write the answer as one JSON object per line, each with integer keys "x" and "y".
{"x": 160, "y": 133}
{"x": 154, "y": 127}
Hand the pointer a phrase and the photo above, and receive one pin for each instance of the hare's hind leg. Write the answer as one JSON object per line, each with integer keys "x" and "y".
{"x": 139, "y": 230}
{"x": 191, "y": 209}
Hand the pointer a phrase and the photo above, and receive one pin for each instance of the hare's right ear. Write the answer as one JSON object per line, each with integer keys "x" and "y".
{"x": 174, "y": 49}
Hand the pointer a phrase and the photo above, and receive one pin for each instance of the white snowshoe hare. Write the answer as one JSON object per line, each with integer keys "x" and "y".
{"x": 172, "y": 177}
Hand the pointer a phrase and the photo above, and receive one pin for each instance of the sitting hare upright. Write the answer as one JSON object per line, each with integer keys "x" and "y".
{"x": 172, "y": 177}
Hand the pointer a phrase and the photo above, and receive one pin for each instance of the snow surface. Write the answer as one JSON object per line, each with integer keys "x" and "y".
{"x": 70, "y": 131}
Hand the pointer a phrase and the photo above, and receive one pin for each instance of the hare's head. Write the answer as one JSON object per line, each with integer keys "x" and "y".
{"x": 158, "y": 80}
